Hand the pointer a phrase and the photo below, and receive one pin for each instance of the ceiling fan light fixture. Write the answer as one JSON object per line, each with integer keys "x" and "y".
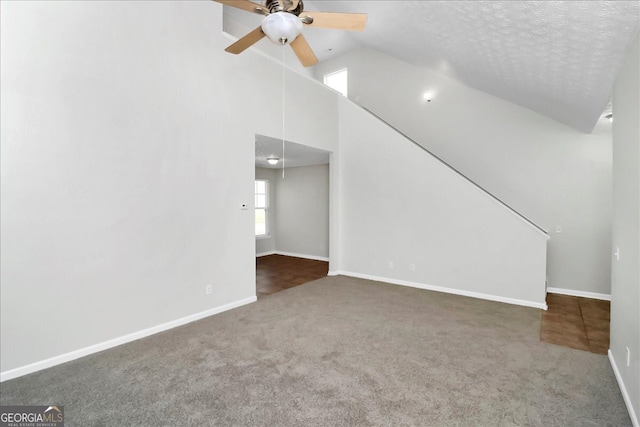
{"x": 282, "y": 27}
{"x": 273, "y": 160}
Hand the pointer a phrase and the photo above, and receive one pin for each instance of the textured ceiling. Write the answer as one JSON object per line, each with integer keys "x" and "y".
{"x": 559, "y": 58}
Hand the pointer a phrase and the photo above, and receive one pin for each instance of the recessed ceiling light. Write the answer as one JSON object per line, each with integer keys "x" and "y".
{"x": 428, "y": 95}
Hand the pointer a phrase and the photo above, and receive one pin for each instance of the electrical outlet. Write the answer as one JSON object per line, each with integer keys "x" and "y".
{"x": 412, "y": 267}
{"x": 208, "y": 290}
{"x": 628, "y": 357}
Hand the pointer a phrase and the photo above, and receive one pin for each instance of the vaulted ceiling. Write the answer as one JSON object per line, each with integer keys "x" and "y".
{"x": 559, "y": 58}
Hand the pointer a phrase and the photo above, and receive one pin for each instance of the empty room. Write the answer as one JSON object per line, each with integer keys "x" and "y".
{"x": 467, "y": 174}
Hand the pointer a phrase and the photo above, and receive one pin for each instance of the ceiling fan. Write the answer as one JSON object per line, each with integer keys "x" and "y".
{"x": 283, "y": 23}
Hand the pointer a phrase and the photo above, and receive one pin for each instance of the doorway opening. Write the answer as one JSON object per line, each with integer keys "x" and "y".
{"x": 292, "y": 214}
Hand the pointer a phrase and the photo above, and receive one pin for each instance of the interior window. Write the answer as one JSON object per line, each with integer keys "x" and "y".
{"x": 337, "y": 80}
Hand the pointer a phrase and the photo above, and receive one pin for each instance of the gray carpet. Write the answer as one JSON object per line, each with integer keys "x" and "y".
{"x": 338, "y": 352}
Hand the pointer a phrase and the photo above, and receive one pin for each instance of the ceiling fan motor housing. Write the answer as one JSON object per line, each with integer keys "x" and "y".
{"x": 274, "y": 6}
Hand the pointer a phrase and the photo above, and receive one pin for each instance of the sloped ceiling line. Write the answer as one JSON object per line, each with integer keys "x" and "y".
{"x": 557, "y": 58}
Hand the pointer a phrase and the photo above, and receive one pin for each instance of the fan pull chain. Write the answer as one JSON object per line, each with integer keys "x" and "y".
{"x": 283, "y": 112}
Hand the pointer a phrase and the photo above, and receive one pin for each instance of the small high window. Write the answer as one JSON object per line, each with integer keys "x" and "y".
{"x": 337, "y": 80}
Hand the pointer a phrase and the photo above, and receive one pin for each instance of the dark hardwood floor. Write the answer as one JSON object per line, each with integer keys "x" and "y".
{"x": 574, "y": 322}
{"x": 277, "y": 272}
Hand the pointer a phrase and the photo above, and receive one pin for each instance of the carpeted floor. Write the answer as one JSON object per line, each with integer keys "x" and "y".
{"x": 338, "y": 352}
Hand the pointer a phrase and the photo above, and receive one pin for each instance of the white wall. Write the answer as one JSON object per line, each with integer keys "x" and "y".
{"x": 265, "y": 245}
{"x": 551, "y": 173}
{"x": 625, "y": 282}
{"x": 298, "y": 212}
{"x": 302, "y": 206}
{"x": 406, "y": 218}
{"x": 126, "y": 154}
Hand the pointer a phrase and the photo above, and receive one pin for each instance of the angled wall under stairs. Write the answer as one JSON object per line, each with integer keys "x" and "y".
{"x": 408, "y": 218}
{"x": 557, "y": 176}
